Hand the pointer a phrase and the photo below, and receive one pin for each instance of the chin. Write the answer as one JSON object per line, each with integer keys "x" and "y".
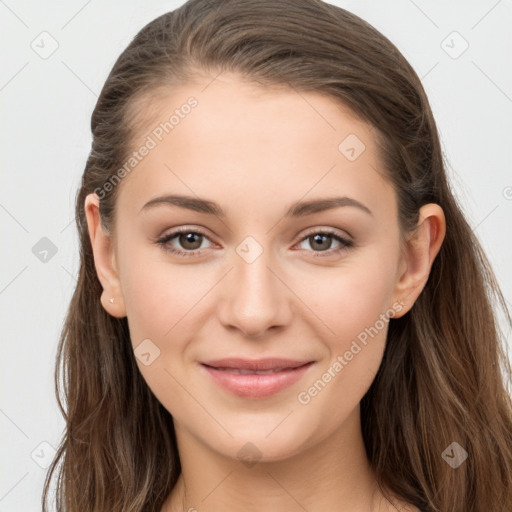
{"x": 263, "y": 444}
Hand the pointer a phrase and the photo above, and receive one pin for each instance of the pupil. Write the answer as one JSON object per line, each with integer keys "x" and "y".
{"x": 317, "y": 239}
{"x": 189, "y": 239}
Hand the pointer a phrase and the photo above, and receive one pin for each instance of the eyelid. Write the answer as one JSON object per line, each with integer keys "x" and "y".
{"x": 328, "y": 230}
{"x": 346, "y": 242}
{"x": 165, "y": 239}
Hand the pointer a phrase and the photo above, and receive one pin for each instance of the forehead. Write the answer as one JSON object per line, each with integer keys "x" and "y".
{"x": 235, "y": 140}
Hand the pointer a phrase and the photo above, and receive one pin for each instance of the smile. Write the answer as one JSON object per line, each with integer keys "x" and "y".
{"x": 255, "y": 379}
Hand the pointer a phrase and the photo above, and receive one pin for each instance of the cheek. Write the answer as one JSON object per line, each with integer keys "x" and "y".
{"x": 161, "y": 296}
{"x": 356, "y": 304}
{"x": 351, "y": 298}
{"x": 358, "y": 311}
{"x": 160, "y": 299}
{"x": 165, "y": 303}
{"x": 157, "y": 293}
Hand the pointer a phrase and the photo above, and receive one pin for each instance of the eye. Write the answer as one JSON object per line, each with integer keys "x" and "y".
{"x": 189, "y": 239}
{"x": 322, "y": 240}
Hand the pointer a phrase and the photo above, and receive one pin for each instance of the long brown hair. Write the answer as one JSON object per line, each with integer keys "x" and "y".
{"x": 445, "y": 372}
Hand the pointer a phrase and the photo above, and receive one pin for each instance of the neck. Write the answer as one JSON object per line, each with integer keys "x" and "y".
{"x": 334, "y": 475}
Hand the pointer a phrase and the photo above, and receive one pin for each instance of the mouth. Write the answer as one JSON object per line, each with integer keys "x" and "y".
{"x": 255, "y": 379}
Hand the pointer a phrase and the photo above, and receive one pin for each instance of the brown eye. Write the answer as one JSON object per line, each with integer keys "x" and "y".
{"x": 188, "y": 242}
{"x": 321, "y": 242}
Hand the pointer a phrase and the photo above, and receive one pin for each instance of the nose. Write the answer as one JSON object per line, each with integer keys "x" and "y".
{"x": 255, "y": 298}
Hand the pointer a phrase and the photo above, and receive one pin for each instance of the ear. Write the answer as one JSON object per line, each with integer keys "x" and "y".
{"x": 104, "y": 259}
{"x": 420, "y": 249}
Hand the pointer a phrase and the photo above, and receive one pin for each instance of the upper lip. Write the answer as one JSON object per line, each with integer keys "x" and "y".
{"x": 256, "y": 364}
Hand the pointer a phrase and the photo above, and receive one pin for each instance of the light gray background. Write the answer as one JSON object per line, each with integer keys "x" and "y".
{"x": 46, "y": 104}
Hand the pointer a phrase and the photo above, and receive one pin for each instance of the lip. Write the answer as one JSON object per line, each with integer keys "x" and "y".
{"x": 235, "y": 375}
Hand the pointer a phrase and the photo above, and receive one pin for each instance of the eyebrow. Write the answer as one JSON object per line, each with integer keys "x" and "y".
{"x": 297, "y": 209}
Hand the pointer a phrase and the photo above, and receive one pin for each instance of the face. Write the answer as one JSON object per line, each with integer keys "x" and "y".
{"x": 265, "y": 321}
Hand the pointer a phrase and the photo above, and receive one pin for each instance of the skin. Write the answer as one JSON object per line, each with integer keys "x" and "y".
{"x": 256, "y": 151}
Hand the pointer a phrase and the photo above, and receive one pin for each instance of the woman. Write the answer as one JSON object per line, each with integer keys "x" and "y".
{"x": 280, "y": 305}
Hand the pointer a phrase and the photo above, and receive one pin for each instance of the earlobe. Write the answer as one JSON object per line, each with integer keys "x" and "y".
{"x": 420, "y": 251}
{"x": 104, "y": 259}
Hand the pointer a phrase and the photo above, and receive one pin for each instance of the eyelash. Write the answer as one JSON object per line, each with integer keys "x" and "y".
{"x": 164, "y": 242}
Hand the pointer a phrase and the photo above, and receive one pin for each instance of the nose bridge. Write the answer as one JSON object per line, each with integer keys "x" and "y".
{"x": 256, "y": 299}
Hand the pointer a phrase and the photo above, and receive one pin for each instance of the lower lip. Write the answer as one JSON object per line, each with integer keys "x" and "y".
{"x": 254, "y": 385}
